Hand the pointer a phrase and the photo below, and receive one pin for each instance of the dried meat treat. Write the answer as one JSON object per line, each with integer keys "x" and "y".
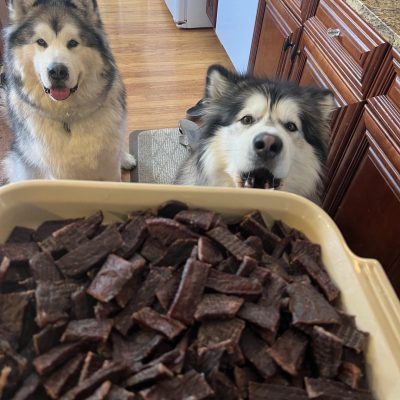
{"x": 29, "y": 387}
{"x": 81, "y": 304}
{"x": 111, "y": 278}
{"x": 168, "y": 230}
{"x": 87, "y": 330}
{"x": 273, "y": 290}
{"x": 102, "y": 392}
{"x": 43, "y": 268}
{"x": 190, "y": 290}
{"x": 222, "y": 386}
{"x": 48, "y": 227}
{"x": 252, "y": 226}
{"x": 260, "y": 274}
{"x": 18, "y": 253}
{"x": 328, "y": 389}
{"x": 48, "y": 337}
{"x": 90, "y": 254}
{"x": 263, "y": 391}
{"x": 208, "y": 252}
{"x": 148, "y": 375}
{"x": 288, "y": 351}
{"x": 218, "y": 306}
{"x": 55, "y": 357}
{"x": 192, "y": 385}
{"x": 231, "y": 243}
{"x": 20, "y": 234}
{"x": 177, "y": 253}
{"x": 198, "y": 220}
{"x": 242, "y": 378}
{"x": 350, "y": 374}
{"x": 220, "y": 334}
{"x": 112, "y": 372}
{"x": 91, "y": 363}
{"x": 4, "y": 266}
{"x": 56, "y": 383}
{"x": 133, "y": 235}
{"x": 256, "y": 352}
{"x": 256, "y": 244}
{"x": 327, "y": 352}
{"x": 231, "y": 284}
{"x": 166, "y": 293}
{"x": 53, "y": 301}
{"x": 247, "y": 266}
{"x": 229, "y": 265}
{"x": 152, "y": 249}
{"x": 119, "y": 393}
{"x": 266, "y": 317}
{"x": 305, "y": 248}
{"x": 308, "y": 306}
{"x": 157, "y": 322}
{"x": 170, "y": 208}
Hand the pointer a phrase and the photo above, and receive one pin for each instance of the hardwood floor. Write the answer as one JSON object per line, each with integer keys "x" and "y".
{"x": 163, "y": 67}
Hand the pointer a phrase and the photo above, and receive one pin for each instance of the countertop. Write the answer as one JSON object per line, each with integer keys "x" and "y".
{"x": 382, "y": 15}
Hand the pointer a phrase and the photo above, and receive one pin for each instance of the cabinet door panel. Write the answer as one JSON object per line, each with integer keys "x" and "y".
{"x": 280, "y": 32}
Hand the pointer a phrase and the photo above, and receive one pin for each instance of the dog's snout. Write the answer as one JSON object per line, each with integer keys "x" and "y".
{"x": 267, "y": 146}
{"x": 58, "y": 72}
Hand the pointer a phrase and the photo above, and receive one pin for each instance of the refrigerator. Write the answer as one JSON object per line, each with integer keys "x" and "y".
{"x": 189, "y": 14}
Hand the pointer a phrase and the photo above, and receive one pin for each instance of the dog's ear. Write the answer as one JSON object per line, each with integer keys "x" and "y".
{"x": 326, "y": 103}
{"x": 88, "y": 8}
{"x": 218, "y": 81}
{"x": 18, "y": 8}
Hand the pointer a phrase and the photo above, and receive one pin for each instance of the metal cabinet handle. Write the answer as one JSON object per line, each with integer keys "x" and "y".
{"x": 333, "y": 32}
{"x": 287, "y": 44}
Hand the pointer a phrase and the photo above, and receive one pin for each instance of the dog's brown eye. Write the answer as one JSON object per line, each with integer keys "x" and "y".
{"x": 247, "y": 120}
{"x": 41, "y": 43}
{"x": 72, "y": 43}
{"x": 291, "y": 126}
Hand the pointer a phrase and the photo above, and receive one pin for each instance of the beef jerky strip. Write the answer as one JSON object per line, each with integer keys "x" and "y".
{"x": 152, "y": 249}
{"x": 260, "y": 274}
{"x": 167, "y": 230}
{"x": 4, "y": 266}
{"x": 350, "y": 374}
{"x": 89, "y": 254}
{"x": 220, "y": 334}
{"x": 28, "y": 388}
{"x": 253, "y": 227}
{"x": 57, "y": 382}
{"x": 190, "y": 291}
{"x": 327, "y": 352}
{"x": 231, "y": 243}
{"x": 55, "y": 357}
{"x": 242, "y": 376}
{"x": 273, "y": 290}
{"x": 48, "y": 227}
{"x": 260, "y": 315}
{"x": 198, "y": 220}
{"x": 133, "y": 235}
{"x": 111, "y": 278}
{"x": 20, "y": 234}
{"x": 256, "y": 352}
{"x": 222, "y": 386}
{"x": 166, "y": 293}
{"x": 247, "y": 266}
{"x": 91, "y": 363}
{"x": 112, "y": 372}
{"x": 81, "y": 304}
{"x": 101, "y": 392}
{"x": 231, "y": 284}
{"x": 318, "y": 274}
{"x": 152, "y": 374}
{"x": 48, "y": 337}
{"x": 157, "y": 322}
{"x": 263, "y": 391}
{"x": 327, "y": 389}
{"x": 8, "y": 353}
{"x": 170, "y": 208}
{"x": 192, "y": 385}
{"x": 305, "y": 248}
{"x": 87, "y": 330}
{"x": 43, "y": 268}
{"x": 119, "y": 393}
{"x": 208, "y": 252}
{"x": 53, "y": 301}
{"x": 218, "y": 306}
{"x": 288, "y": 351}
{"x": 308, "y": 306}
{"x": 177, "y": 253}
{"x": 18, "y": 253}
{"x": 135, "y": 348}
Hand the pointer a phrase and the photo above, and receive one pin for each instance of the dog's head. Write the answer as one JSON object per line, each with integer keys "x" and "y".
{"x": 56, "y": 49}
{"x": 259, "y": 131}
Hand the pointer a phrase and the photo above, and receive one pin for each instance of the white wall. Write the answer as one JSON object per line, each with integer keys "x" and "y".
{"x": 235, "y": 25}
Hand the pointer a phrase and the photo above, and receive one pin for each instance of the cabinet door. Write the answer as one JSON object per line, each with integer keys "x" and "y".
{"x": 369, "y": 213}
{"x": 279, "y": 36}
{"x": 211, "y": 9}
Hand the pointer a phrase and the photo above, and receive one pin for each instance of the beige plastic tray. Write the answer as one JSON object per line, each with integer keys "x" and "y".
{"x": 365, "y": 289}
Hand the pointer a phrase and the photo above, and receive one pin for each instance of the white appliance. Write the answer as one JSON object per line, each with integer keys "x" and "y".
{"x": 189, "y": 13}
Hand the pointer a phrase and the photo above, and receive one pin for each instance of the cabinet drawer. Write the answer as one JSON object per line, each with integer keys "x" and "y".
{"x": 302, "y": 9}
{"x": 352, "y": 49}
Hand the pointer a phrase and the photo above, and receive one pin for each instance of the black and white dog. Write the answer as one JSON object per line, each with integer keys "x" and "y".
{"x": 258, "y": 133}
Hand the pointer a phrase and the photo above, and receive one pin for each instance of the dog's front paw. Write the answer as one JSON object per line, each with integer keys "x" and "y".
{"x": 128, "y": 161}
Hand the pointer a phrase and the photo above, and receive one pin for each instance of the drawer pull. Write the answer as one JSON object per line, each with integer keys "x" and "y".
{"x": 287, "y": 44}
{"x": 333, "y": 32}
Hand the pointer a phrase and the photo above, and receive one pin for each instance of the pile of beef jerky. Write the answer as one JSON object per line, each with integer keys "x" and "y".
{"x": 177, "y": 304}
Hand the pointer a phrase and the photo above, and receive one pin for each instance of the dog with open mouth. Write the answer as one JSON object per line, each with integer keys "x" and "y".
{"x": 259, "y": 133}
{"x": 65, "y": 99}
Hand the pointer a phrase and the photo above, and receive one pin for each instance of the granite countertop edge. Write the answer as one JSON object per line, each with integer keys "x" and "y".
{"x": 376, "y": 22}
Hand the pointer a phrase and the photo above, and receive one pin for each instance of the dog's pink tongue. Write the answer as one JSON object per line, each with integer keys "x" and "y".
{"x": 60, "y": 93}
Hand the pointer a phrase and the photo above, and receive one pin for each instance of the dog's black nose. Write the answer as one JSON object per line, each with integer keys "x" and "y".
{"x": 267, "y": 146}
{"x": 58, "y": 72}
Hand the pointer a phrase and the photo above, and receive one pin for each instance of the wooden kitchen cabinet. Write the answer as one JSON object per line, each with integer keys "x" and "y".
{"x": 211, "y": 9}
